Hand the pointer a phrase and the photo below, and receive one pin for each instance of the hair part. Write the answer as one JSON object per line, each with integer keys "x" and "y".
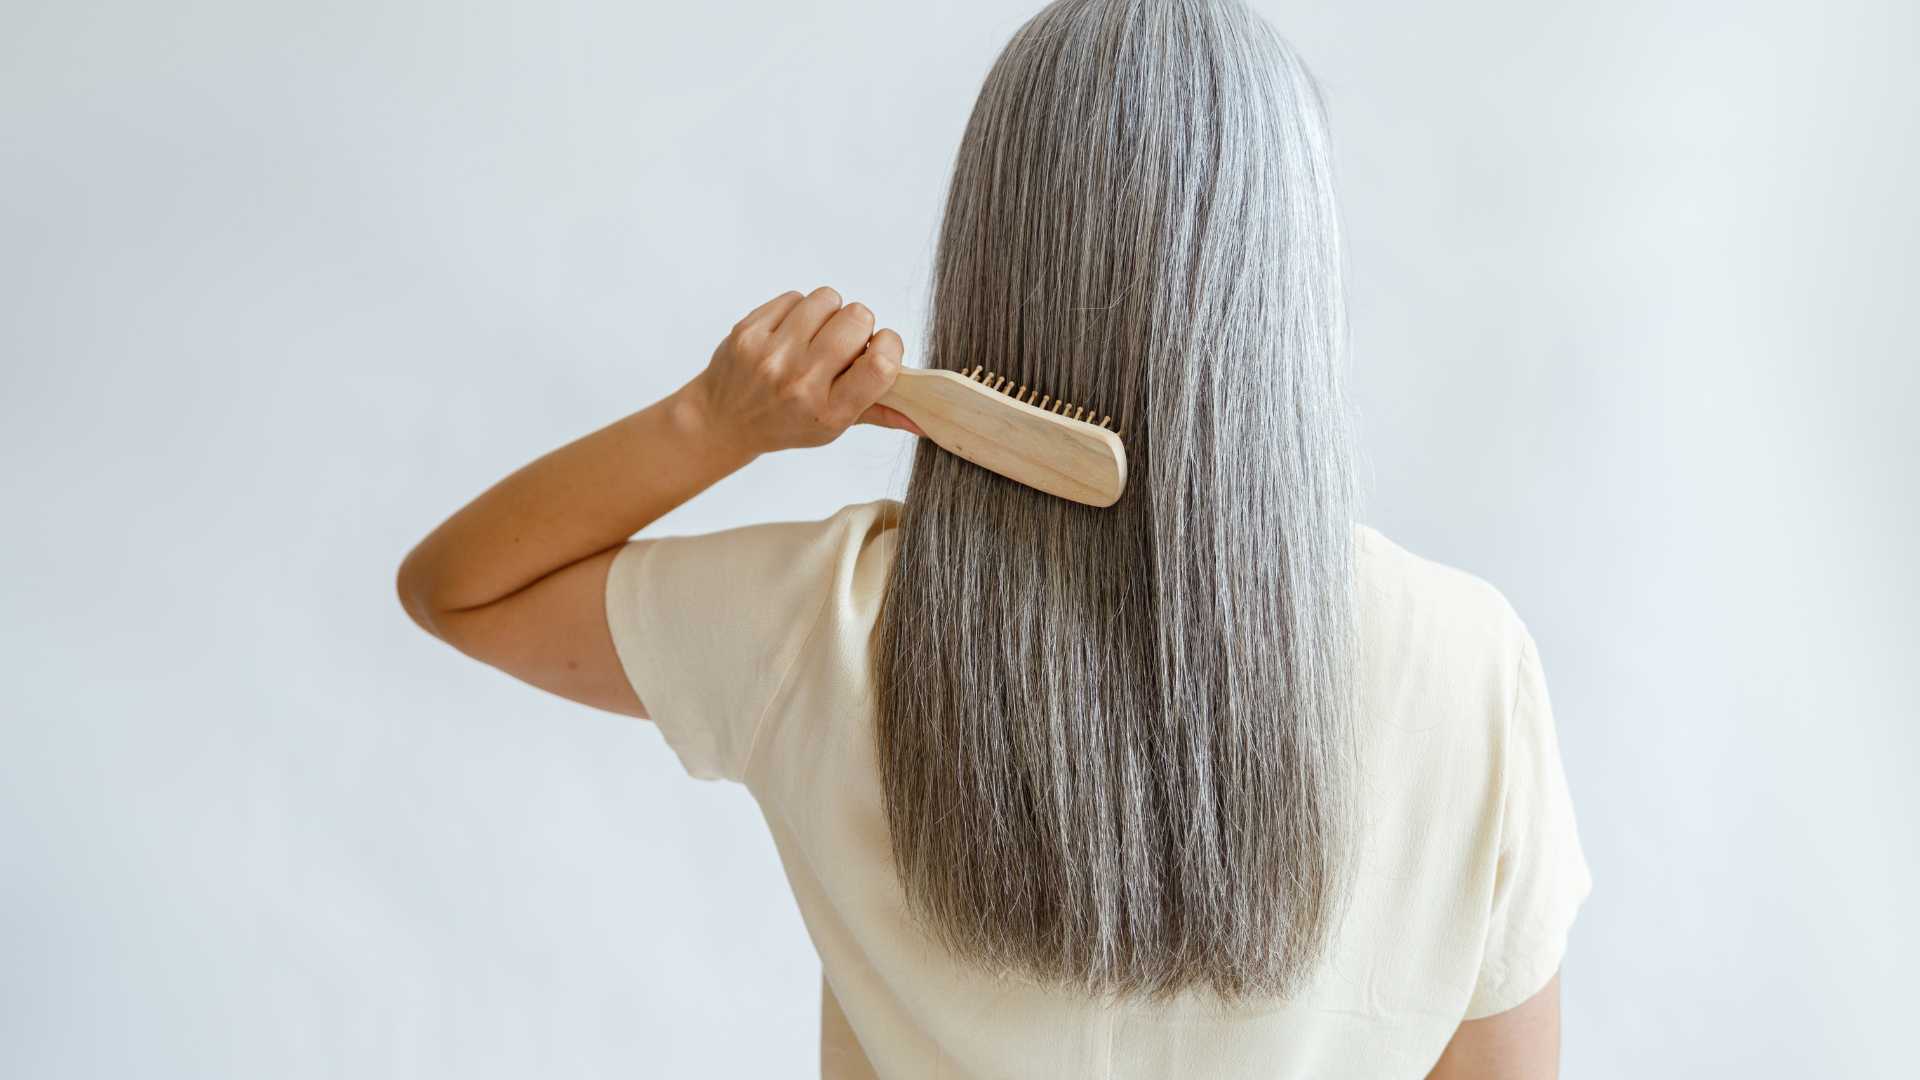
{"x": 1116, "y": 744}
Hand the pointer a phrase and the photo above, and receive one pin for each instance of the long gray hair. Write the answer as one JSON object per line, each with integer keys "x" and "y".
{"x": 1116, "y": 745}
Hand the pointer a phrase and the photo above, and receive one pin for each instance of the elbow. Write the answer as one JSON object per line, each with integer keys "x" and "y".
{"x": 413, "y": 587}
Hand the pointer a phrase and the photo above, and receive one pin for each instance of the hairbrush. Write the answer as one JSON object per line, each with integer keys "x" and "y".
{"x": 1024, "y": 435}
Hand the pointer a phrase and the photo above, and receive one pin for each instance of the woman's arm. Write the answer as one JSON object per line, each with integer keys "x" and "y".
{"x": 1522, "y": 1043}
{"x": 516, "y": 578}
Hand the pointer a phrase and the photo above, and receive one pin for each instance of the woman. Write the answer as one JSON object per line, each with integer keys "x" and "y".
{"x": 1216, "y": 782}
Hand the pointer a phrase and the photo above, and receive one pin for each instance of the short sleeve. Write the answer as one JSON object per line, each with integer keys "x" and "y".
{"x": 1541, "y": 876}
{"x": 709, "y": 627}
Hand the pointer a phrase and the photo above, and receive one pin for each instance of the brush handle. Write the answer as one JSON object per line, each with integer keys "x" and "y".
{"x": 1069, "y": 458}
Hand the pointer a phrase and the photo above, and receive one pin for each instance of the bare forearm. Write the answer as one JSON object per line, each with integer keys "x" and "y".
{"x": 795, "y": 371}
{"x": 569, "y": 504}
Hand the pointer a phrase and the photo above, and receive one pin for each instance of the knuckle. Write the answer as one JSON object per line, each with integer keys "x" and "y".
{"x": 828, "y": 293}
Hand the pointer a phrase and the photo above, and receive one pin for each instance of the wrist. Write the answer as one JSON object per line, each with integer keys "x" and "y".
{"x": 697, "y": 423}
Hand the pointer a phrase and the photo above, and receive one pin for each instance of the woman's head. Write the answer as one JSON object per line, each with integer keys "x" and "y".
{"x": 1115, "y": 744}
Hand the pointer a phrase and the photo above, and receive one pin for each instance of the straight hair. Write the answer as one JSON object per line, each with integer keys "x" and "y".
{"x": 1116, "y": 745}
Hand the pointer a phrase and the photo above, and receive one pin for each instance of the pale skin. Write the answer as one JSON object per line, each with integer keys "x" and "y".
{"x": 516, "y": 578}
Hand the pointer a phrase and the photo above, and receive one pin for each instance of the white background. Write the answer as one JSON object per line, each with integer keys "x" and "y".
{"x": 281, "y": 285}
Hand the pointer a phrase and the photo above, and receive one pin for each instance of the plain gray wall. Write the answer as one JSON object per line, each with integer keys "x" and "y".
{"x": 281, "y": 285}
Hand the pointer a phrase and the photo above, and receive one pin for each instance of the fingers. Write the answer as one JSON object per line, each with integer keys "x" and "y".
{"x": 869, "y": 377}
{"x": 881, "y": 416}
{"x": 841, "y": 341}
{"x": 806, "y": 318}
{"x": 830, "y": 355}
{"x": 768, "y": 315}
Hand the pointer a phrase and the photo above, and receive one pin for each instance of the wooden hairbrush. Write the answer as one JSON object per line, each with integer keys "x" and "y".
{"x": 1022, "y": 434}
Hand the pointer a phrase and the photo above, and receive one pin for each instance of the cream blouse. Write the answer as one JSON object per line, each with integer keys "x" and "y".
{"x": 749, "y": 648}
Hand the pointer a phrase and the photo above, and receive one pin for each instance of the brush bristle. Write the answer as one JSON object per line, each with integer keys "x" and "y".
{"x": 1032, "y": 396}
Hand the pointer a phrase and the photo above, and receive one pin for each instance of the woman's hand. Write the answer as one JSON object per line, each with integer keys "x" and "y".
{"x": 798, "y": 371}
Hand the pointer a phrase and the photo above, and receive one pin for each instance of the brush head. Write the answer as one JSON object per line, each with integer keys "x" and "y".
{"x": 1017, "y": 431}
{"x": 1033, "y": 397}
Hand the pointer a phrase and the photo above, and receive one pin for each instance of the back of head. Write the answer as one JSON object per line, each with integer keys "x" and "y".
{"x": 1115, "y": 744}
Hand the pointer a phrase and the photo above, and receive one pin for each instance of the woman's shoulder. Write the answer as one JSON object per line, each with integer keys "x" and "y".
{"x": 1412, "y": 602}
{"x": 855, "y": 546}
{"x": 865, "y": 533}
{"x": 869, "y": 519}
{"x": 834, "y": 542}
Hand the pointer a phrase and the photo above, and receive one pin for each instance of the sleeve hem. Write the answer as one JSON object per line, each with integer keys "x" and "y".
{"x": 630, "y": 646}
{"x": 1520, "y": 982}
{"x": 1524, "y": 976}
